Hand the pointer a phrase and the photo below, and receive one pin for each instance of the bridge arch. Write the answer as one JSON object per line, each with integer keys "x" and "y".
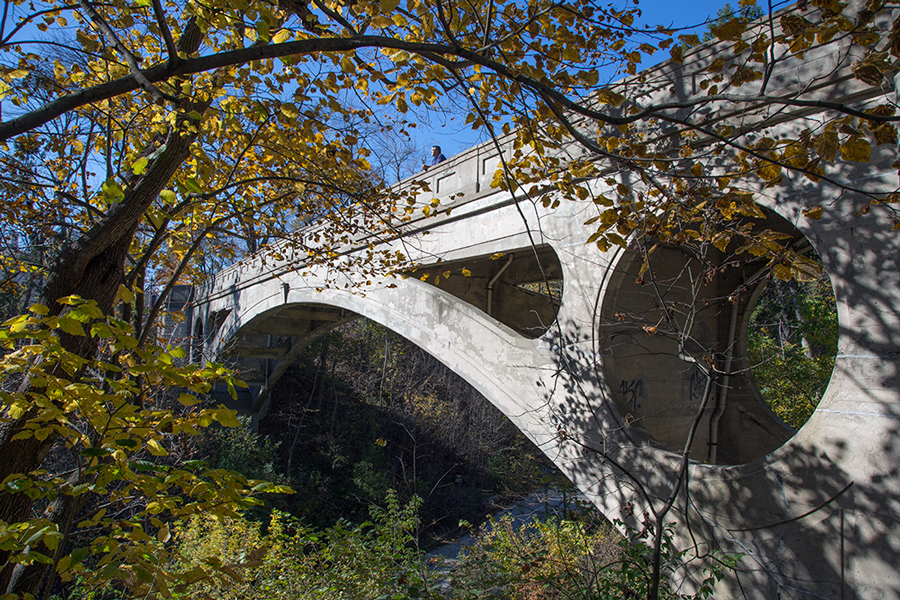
{"x": 497, "y": 360}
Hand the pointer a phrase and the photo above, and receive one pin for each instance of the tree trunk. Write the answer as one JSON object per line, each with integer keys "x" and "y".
{"x": 92, "y": 267}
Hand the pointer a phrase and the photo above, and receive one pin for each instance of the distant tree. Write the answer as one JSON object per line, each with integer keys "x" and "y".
{"x": 745, "y": 13}
{"x": 792, "y": 343}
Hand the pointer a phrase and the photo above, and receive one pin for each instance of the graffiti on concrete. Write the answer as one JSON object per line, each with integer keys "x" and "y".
{"x": 632, "y": 391}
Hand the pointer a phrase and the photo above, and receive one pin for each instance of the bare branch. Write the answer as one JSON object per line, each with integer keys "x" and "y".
{"x": 166, "y": 32}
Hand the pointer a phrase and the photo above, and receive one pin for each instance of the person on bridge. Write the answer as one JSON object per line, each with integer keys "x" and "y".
{"x": 436, "y": 158}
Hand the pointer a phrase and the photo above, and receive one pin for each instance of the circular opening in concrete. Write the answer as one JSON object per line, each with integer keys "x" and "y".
{"x": 681, "y": 351}
{"x": 791, "y": 344}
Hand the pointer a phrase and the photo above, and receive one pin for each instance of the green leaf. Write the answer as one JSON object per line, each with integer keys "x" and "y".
{"x": 71, "y": 326}
{"x": 101, "y": 330}
{"x": 192, "y": 186}
{"x": 112, "y": 191}
{"x": 168, "y": 196}
{"x": 92, "y": 452}
{"x": 143, "y": 465}
{"x": 78, "y": 554}
{"x": 188, "y": 399}
{"x": 140, "y": 165}
{"x": 17, "y": 324}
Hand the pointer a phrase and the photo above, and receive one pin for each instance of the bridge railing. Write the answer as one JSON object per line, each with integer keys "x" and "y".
{"x": 449, "y": 186}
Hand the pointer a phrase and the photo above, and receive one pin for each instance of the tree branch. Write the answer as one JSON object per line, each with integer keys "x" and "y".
{"x": 166, "y": 33}
{"x": 130, "y": 58}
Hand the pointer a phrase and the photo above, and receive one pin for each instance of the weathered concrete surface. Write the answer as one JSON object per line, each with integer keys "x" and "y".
{"x": 815, "y": 517}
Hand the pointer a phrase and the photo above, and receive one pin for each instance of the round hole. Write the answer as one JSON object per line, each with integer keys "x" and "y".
{"x": 686, "y": 340}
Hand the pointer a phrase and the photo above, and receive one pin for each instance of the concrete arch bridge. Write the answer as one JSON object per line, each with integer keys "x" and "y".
{"x": 557, "y": 334}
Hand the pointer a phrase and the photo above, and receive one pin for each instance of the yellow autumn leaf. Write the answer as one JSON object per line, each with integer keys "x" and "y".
{"x": 17, "y": 409}
{"x": 826, "y": 144}
{"x": 227, "y": 417}
{"x": 805, "y": 269}
{"x": 856, "y": 149}
{"x": 157, "y": 218}
{"x": 721, "y": 241}
{"x": 388, "y": 6}
{"x": 125, "y": 295}
{"x": 163, "y": 535}
{"x": 381, "y": 22}
{"x": 813, "y": 213}
{"x": 140, "y": 165}
{"x": 155, "y": 448}
{"x": 607, "y": 96}
{"x": 782, "y": 271}
{"x": 731, "y": 30}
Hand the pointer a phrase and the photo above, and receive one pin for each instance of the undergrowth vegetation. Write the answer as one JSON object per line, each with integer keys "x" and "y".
{"x": 579, "y": 557}
{"x": 792, "y": 343}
